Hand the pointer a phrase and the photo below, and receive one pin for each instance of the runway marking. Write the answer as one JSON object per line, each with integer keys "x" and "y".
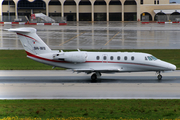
{"x": 71, "y": 38}
{"x": 112, "y": 38}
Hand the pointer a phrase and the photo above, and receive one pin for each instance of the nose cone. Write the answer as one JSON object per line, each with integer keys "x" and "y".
{"x": 172, "y": 67}
{"x": 168, "y": 66}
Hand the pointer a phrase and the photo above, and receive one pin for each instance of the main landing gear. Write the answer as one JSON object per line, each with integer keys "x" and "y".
{"x": 159, "y": 75}
{"x": 94, "y": 76}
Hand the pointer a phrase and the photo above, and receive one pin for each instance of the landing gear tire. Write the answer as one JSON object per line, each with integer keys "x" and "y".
{"x": 94, "y": 77}
{"x": 159, "y": 77}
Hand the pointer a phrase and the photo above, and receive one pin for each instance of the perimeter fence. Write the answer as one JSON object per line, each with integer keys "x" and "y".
{"x": 174, "y": 17}
{"x": 36, "y": 20}
{"x": 145, "y": 18}
{"x": 163, "y": 18}
{"x": 11, "y": 18}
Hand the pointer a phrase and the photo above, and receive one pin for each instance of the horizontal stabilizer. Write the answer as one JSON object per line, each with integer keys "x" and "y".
{"x": 21, "y": 30}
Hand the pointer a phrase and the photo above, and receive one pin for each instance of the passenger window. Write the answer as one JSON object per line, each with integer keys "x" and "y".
{"x": 125, "y": 58}
{"x": 132, "y": 58}
{"x": 97, "y": 57}
{"x": 118, "y": 57}
{"x": 104, "y": 58}
{"x": 111, "y": 58}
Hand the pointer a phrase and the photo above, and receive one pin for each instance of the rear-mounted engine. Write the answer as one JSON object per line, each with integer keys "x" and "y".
{"x": 77, "y": 57}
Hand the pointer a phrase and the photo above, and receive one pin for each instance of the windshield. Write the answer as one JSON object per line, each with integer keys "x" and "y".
{"x": 150, "y": 58}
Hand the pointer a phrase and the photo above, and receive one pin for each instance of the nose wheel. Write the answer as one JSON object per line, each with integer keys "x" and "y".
{"x": 159, "y": 76}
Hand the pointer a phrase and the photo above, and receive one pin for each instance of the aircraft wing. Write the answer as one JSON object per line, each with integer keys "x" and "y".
{"x": 97, "y": 70}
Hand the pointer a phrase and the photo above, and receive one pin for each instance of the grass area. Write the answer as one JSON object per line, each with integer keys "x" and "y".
{"x": 17, "y": 60}
{"x": 99, "y": 109}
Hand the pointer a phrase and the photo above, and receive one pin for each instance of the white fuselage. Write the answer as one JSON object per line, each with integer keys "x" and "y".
{"x": 104, "y": 61}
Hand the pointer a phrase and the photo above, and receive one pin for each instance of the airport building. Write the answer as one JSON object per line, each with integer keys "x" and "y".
{"x": 94, "y": 10}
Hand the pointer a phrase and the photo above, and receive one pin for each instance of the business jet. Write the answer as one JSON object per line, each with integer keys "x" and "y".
{"x": 93, "y": 63}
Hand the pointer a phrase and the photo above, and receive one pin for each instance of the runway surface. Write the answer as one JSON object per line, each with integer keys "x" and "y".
{"x": 68, "y": 85}
{"x": 67, "y": 76}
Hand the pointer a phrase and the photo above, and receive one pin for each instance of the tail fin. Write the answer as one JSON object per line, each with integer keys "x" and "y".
{"x": 31, "y": 42}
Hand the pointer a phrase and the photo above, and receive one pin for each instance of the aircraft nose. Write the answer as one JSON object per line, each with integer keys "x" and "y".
{"x": 172, "y": 67}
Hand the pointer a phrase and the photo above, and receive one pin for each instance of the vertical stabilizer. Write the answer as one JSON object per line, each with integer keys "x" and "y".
{"x": 31, "y": 42}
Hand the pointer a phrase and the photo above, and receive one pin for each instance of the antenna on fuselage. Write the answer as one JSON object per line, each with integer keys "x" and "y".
{"x": 79, "y": 50}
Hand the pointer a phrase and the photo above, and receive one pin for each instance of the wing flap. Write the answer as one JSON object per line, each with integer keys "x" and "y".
{"x": 97, "y": 70}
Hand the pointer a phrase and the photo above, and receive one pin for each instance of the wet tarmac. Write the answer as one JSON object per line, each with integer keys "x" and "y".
{"x": 67, "y": 76}
{"x": 89, "y": 91}
{"x": 100, "y": 35}
{"x": 66, "y": 85}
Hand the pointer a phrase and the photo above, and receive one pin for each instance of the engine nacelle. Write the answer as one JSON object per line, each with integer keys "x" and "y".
{"x": 75, "y": 57}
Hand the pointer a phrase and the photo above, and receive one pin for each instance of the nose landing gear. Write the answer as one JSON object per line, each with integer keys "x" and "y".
{"x": 159, "y": 76}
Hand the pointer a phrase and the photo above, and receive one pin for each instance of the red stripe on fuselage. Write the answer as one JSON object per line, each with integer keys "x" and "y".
{"x": 38, "y": 57}
{"x": 121, "y": 63}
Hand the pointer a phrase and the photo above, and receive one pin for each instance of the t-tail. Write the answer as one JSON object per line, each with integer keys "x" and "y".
{"x": 31, "y": 42}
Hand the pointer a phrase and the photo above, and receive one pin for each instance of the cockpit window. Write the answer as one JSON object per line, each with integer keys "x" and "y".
{"x": 154, "y": 57}
{"x": 146, "y": 58}
{"x": 150, "y": 58}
